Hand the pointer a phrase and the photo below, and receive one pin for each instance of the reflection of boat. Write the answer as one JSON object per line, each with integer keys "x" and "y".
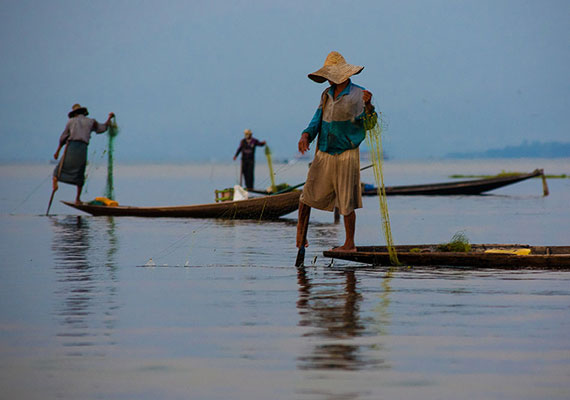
{"x": 263, "y": 207}
{"x": 507, "y": 256}
{"x": 474, "y": 186}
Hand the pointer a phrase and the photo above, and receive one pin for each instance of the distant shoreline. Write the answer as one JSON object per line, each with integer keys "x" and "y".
{"x": 261, "y": 161}
{"x": 525, "y": 150}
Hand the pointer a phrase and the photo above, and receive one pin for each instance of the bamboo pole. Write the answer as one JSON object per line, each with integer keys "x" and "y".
{"x": 57, "y": 177}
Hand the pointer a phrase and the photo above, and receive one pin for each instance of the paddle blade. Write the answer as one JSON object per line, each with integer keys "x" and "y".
{"x": 300, "y": 261}
{"x": 303, "y": 226}
{"x": 50, "y": 201}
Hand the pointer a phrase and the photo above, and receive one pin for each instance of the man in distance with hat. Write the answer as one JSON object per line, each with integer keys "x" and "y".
{"x": 247, "y": 149}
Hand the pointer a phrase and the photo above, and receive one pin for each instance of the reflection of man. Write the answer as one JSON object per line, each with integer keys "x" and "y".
{"x": 85, "y": 291}
{"x": 334, "y": 175}
{"x": 333, "y": 316}
{"x": 247, "y": 150}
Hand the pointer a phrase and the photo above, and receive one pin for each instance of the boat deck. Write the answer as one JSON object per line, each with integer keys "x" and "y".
{"x": 540, "y": 257}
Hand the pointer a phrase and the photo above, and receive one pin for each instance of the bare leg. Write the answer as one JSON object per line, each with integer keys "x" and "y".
{"x": 349, "y": 228}
{"x": 54, "y": 184}
{"x": 302, "y": 223}
{"x": 78, "y": 197}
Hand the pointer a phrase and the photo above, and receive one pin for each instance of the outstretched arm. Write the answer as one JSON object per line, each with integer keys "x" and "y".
{"x": 100, "y": 128}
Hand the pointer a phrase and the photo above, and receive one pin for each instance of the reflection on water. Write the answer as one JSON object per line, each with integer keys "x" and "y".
{"x": 87, "y": 282}
{"x": 331, "y": 307}
{"x": 382, "y": 311}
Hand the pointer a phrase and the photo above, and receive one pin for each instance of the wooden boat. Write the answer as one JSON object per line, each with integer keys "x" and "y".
{"x": 467, "y": 187}
{"x": 263, "y": 207}
{"x": 502, "y": 256}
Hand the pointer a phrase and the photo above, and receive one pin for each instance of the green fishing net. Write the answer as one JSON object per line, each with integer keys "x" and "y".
{"x": 112, "y": 133}
{"x": 373, "y": 125}
{"x": 270, "y": 165}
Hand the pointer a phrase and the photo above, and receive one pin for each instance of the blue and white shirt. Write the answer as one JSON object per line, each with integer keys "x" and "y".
{"x": 342, "y": 125}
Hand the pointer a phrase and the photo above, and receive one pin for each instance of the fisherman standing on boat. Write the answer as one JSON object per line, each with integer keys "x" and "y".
{"x": 247, "y": 150}
{"x": 334, "y": 175}
{"x": 76, "y": 135}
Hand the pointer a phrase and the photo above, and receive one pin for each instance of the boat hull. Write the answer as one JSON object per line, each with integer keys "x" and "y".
{"x": 540, "y": 257}
{"x": 467, "y": 187}
{"x": 265, "y": 207}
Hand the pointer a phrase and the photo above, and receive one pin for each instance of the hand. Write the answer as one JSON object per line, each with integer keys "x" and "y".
{"x": 56, "y": 155}
{"x": 366, "y": 97}
{"x": 235, "y": 158}
{"x": 304, "y": 143}
{"x": 111, "y": 115}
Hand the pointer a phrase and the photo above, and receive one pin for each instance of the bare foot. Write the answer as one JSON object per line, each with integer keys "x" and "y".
{"x": 78, "y": 201}
{"x": 344, "y": 248}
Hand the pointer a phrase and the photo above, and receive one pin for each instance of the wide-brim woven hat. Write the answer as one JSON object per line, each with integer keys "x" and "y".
{"x": 77, "y": 109}
{"x": 335, "y": 69}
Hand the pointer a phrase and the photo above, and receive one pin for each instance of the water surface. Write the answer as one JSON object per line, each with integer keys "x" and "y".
{"x": 223, "y": 313}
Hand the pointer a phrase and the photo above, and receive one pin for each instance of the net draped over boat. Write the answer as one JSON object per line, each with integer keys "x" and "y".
{"x": 373, "y": 126}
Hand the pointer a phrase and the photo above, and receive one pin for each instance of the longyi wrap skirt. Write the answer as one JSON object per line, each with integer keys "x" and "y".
{"x": 334, "y": 181}
{"x": 71, "y": 166}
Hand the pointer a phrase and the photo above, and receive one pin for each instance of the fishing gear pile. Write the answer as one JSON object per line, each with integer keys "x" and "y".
{"x": 373, "y": 127}
{"x": 459, "y": 243}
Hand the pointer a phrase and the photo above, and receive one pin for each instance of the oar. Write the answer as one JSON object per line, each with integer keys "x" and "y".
{"x": 57, "y": 177}
{"x": 304, "y": 221}
{"x": 50, "y": 201}
{"x": 545, "y": 191}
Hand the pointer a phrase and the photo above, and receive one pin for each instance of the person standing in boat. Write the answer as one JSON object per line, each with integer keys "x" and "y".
{"x": 247, "y": 149}
{"x": 338, "y": 125}
{"x": 75, "y": 138}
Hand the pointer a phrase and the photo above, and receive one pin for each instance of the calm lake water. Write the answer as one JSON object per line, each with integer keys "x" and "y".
{"x": 225, "y": 315}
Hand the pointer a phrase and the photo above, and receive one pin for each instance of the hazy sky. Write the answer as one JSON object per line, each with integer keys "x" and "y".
{"x": 185, "y": 78}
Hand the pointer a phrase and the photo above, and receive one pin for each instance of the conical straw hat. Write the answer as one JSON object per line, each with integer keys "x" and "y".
{"x": 77, "y": 109}
{"x": 335, "y": 69}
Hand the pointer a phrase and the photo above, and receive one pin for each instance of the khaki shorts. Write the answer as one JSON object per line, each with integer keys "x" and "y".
{"x": 334, "y": 181}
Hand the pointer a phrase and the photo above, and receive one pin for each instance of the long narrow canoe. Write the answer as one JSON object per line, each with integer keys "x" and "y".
{"x": 467, "y": 187}
{"x": 264, "y": 207}
{"x": 502, "y": 256}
